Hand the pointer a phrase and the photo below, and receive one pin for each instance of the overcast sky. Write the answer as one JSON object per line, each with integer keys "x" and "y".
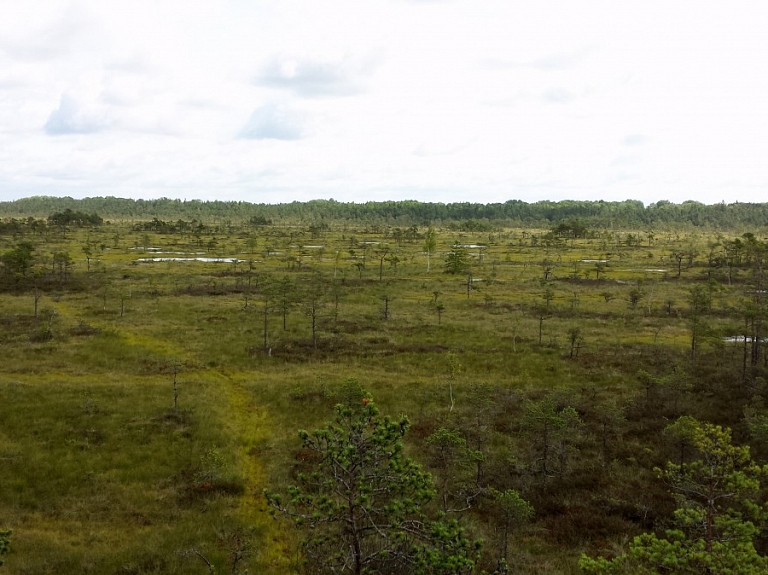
{"x": 434, "y": 100}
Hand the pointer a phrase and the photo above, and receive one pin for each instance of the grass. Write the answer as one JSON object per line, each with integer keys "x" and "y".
{"x": 101, "y": 475}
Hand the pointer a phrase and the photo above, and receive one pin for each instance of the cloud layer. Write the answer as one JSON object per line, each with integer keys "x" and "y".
{"x": 439, "y": 100}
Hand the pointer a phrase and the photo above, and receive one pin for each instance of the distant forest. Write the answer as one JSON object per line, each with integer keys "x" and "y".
{"x": 463, "y": 215}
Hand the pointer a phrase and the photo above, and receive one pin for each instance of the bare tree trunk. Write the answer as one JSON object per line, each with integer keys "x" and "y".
{"x": 37, "y": 299}
{"x": 175, "y": 389}
{"x": 266, "y": 309}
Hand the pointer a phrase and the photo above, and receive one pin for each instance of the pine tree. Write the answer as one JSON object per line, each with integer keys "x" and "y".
{"x": 716, "y": 521}
{"x": 361, "y": 505}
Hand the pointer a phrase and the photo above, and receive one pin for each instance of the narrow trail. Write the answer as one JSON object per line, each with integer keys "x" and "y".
{"x": 249, "y": 424}
{"x": 131, "y": 337}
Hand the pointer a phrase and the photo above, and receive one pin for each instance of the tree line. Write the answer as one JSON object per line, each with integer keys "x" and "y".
{"x": 469, "y": 216}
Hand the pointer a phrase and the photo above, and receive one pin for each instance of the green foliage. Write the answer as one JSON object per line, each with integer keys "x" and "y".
{"x": 13, "y": 226}
{"x": 512, "y": 508}
{"x": 634, "y": 297}
{"x": 685, "y": 429}
{"x": 455, "y": 462}
{"x": 361, "y": 504}
{"x": 16, "y": 262}
{"x": 511, "y": 511}
{"x": 449, "y": 551}
{"x": 553, "y": 430}
{"x": 465, "y": 215}
{"x": 575, "y": 338}
{"x": 570, "y": 229}
{"x": 430, "y": 243}
{"x": 430, "y": 240}
{"x": 717, "y": 519}
{"x": 5, "y": 543}
{"x": 457, "y": 260}
{"x": 69, "y": 217}
{"x": 757, "y": 423}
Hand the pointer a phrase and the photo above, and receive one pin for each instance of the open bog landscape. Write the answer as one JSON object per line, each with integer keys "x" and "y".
{"x": 545, "y": 364}
{"x": 394, "y": 287}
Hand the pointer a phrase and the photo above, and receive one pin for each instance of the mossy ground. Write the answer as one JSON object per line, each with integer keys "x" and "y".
{"x": 100, "y": 474}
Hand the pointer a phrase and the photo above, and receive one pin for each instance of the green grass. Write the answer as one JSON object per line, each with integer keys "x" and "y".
{"x": 100, "y": 475}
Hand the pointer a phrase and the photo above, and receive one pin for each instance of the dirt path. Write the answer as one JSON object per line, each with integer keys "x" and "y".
{"x": 250, "y": 425}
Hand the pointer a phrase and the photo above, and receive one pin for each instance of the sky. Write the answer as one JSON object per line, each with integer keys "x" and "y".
{"x": 432, "y": 100}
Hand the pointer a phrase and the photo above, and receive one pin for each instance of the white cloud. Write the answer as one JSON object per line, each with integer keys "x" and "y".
{"x": 69, "y": 119}
{"x": 553, "y": 62}
{"x": 53, "y": 32}
{"x": 634, "y": 140}
{"x": 272, "y": 122}
{"x": 557, "y": 96}
{"x": 312, "y": 78}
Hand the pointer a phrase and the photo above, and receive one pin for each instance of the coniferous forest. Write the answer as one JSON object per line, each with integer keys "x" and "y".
{"x": 386, "y": 387}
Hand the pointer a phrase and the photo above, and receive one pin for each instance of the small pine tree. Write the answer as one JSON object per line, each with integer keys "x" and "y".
{"x": 457, "y": 260}
{"x": 361, "y": 504}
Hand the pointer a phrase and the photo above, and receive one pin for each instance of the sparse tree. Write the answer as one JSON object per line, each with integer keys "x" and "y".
{"x": 553, "y": 430}
{"x": 610, "y": 419}
{"x": 336, "y": 261}
{"x": 547, "y": 269}
{"x": 439, "y": 308}
{"x": 16, "y": 263}
{"x": 430, "y": 243}
{"x": 599, "y": 269}
{"x": 548, "y": 296}
{"x": 453, "y": 370}
{"x": 37, "y": 293}
{"x": 454, "y": 462}
{"x": 382, "y": 253}
{"x": 385, "y": 312}
{"x": 268, "y": 296}
{"x": 314, "y": 300}
{"x": 285, "y": 298}
{"x": 457, "y": 260}
{"x": 510, "y": 512}
{"x": 175, "y": 387}
{"x": 88, "y": 251}
{"x": 122, "y": 303}
{"x": 63, "y": 262}
{"x": 575, "y": 337}
{"x": 698, "y": 304}
{"x": 542, "y": 313}
{"x": 678, "y": 256}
